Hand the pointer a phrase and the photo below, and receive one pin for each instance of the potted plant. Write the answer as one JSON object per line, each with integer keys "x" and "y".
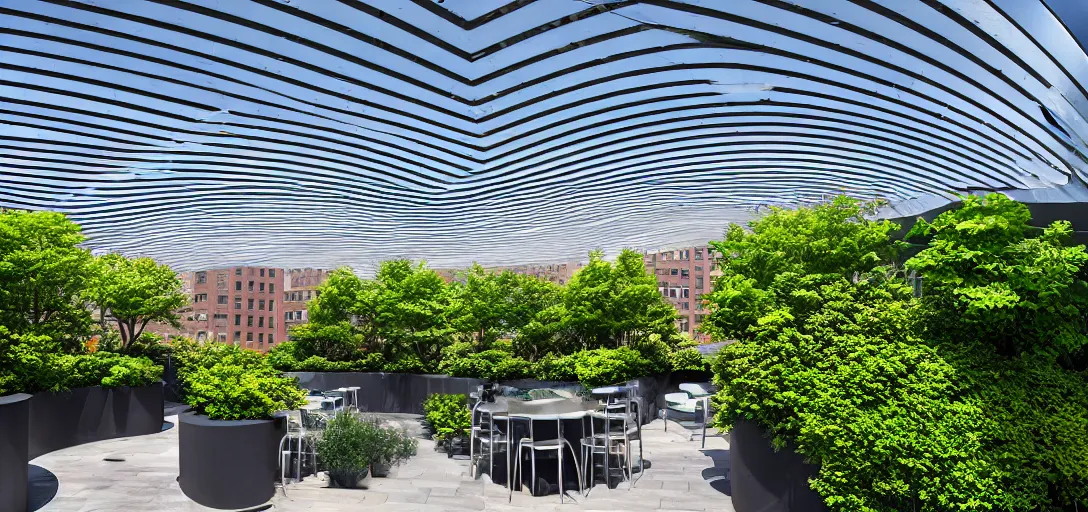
{"x": 229, "y": 441}
{"x": 396, "y": 447}
{"x": 449, "y": 418}
{"x": 347, "y": 448}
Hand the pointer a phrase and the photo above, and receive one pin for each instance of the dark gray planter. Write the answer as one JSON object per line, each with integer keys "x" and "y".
{"x": 378, "y": 470}
{"x": 763, "y": 480}
{"x": 85, "y": 415}
{"x": 228, "y": 464}
{"x": 349, "y": 479}
{"x": 14, "y": 451}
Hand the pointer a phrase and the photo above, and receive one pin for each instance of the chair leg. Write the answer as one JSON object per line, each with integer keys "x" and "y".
{"x": 532, "y": 471}
{"x": 516, "y": 474}
{"x": 560, "y": 475}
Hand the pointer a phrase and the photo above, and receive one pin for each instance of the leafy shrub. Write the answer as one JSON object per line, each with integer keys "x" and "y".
{"x": 496, "y": 364}
{"x": 24, "y": 360}
{"x": 225, "y": 382}
{"x": 604, "y": 366}
{"x": 395, "y": 446}
{"x": 448, "y": 415}
{"x": 336, "y": 342}
{"x": 350, "y": 443}
{"x": 557, "y": 368}
{"x": 407, "y": 364}
{"x": 688, "y": 359}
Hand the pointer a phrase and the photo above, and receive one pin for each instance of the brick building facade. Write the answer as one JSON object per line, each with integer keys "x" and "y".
{"x": 300, "y": 286}
{"x": 683, "y": 277}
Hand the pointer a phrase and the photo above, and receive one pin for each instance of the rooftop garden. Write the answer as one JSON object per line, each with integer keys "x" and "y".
{"x": 608, "y": 325}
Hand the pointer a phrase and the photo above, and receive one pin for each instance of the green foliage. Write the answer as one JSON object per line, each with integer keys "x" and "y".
{"x": 557, "y": 368}
{"x": 350, "y": 443}
{"x": 395, "y": 445}
{"x": 688, "y": 359}
{"x": 832, "y": 238}
{"x": 225, "y": 382}
{"x": 136, "y": 292}
{"x": 985, "y": 279}
{"x": 29, "y": 364}
{"x": 838, "y": 375}
{"x": 337, "y": 342}
{"x": 605, "y": 366}
{"x": 24, "y": 361}
{"x": 459, "y": 360}
{"x": 44, "y": 276}
{"x": 972, "y": 398}
{"x": 448, "y": 416}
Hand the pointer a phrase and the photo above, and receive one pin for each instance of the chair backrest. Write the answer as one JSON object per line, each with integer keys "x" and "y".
{"x": 677, "y": 398}
{"x": 696, "y": 389}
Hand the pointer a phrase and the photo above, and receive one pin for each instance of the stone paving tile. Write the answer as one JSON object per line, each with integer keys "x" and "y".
{"x": 680, "y": 476}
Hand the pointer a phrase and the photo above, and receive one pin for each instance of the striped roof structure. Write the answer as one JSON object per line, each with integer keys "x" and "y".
{"x": 331, "y": 132}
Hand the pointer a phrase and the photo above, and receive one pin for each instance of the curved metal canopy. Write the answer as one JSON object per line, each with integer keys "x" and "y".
{"x": 329, "y": 132}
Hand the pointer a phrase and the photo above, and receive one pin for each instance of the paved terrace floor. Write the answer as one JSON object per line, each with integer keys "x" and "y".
{"x": 683, "y": 477}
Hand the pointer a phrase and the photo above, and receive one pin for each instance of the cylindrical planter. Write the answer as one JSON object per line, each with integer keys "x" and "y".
{"x": 764, "y": 480}
{"x": 228, "y": 464}
{"x": 349, "y": 479}
{"x": 85, "y": 415}
{"x": 14, "y": 450}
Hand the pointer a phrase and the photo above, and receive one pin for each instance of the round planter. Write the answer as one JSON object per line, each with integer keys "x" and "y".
{"x": 380, "y": 470}
{"x": 228, "y": 464}
{"x": 764, "y": 480}
{"x": 14, "y": 450}
{"x": 349, "y": 479}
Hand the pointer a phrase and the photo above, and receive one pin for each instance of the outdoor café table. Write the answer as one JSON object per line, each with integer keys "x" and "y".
{"x": 564, "y": 409}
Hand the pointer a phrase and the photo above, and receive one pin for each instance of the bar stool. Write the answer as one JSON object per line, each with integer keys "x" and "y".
{"x": 353, "y": 392}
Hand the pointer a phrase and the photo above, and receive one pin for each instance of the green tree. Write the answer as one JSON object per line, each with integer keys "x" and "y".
{"x": 43, "y": 276}
{"x": 986, "y": 278}
{"x": 830, "y": 238}
{"x": 135, "y": 292}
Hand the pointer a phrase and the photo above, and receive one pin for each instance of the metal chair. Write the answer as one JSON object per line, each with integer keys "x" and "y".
{"x": 700, "y": 391}
{"x": 611, "y": 441}
{"x": 295, "y": 432}
{"x": 561, "y": 409}
{"x": 682, "y": 403}
{"x": 486, "y": 433}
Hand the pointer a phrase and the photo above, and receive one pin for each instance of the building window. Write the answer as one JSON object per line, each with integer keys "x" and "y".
{"x": 685, "y": 305}
{"x": 237, "y": 319}
{"x": 260, "y": 305}
{"x": 237, "y": 286}
{"x": 699, "y": 282}
{"x": 271, "y": 322}
{"x": 686, "y": 292}
{"x": 260, "y": 339}
{"x": 200, "y": 297}
{"x": 222, "y": 337}
{"x": 698, "y": 254}
{"x": 698, "y": 268}
{"x": 270, "y": 339}
{"x": 250, "y": 305}
{"x": 262, "y": 287}
{"x": 201, "y": 277}
{"x": 251, "y": 286}
{"x": 271, "y": 272}
{"x": 262, "y": 272}
{"x": 674, "y": 271}
{"x": 237, "y": 336}
{"x": 684, "y": 273}
{"x": 272, "y": 305}
{"x": 272, "y": 287}
{"x": 237, "y": 303}
{"x": 260, "y": 321}
{"x": 222, "y": 299}
{"x": 238, "y": 271}
{"x": 249, "y": 336}
{"x": 249, "y": 321}
{"x": 287, "y": 316}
